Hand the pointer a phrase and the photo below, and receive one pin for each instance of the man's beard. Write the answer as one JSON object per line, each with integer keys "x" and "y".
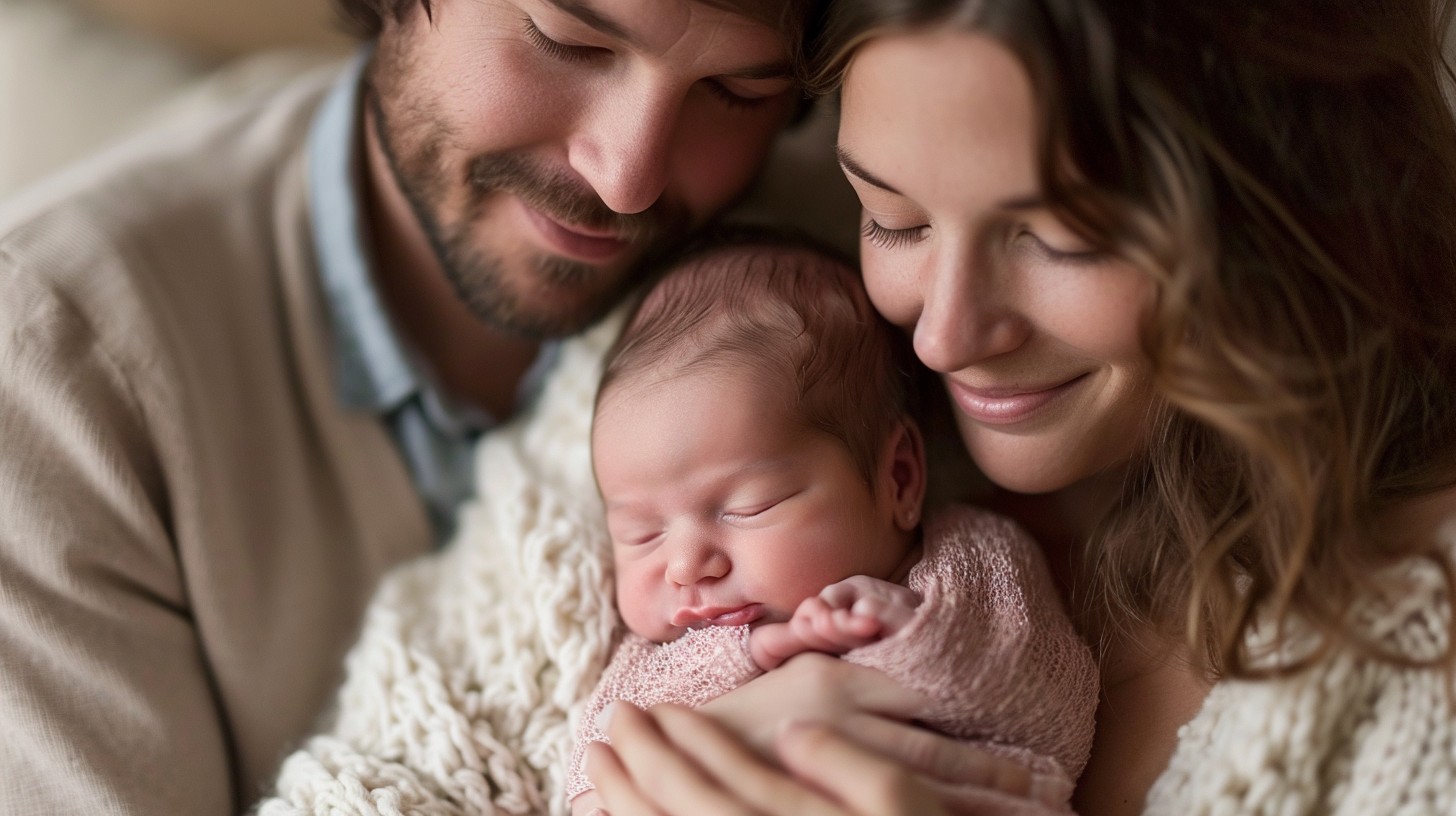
{"x": 578, "y": 294}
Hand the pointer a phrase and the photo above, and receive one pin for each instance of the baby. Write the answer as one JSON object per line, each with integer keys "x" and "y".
{"x": 763, "y": 477}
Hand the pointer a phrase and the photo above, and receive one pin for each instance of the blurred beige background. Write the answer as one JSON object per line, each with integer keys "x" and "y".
{"x": 78, "y": 74}
{"x": 216, "y": 29}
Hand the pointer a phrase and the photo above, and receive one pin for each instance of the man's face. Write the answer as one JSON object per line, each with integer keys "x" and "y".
{"x": 547, "y": 146}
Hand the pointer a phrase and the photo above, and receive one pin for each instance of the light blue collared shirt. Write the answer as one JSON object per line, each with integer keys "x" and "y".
{"x": 374, "y": 370}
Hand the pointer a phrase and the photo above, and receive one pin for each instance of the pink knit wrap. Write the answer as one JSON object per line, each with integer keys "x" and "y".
{"x": 990, "y": 645}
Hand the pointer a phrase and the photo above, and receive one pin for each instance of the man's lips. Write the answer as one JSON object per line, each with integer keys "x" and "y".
{"x": 1004, "y": 405}
{"x": 582, "y": 243}
{"x": 717, "y": 615}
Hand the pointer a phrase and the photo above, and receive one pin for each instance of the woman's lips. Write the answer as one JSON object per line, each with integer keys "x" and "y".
{"x": 718, "y": 616}
{"x": 1006, "y": 406}
{"x": 579, "y": 242}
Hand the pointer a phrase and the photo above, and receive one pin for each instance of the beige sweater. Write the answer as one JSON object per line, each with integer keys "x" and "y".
{"x": 190, "y": 526}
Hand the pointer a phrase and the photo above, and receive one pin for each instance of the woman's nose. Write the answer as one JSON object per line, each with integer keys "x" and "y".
{"x": 969, "y": 312}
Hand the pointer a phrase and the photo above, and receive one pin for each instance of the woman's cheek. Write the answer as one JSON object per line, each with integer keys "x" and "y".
{"x": 893, "y": 293}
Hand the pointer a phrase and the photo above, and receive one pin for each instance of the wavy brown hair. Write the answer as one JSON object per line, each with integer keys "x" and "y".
{"x": 1286, "y": 174}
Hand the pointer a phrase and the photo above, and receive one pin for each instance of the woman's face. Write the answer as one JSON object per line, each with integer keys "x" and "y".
{"x": 1035, "y": 337}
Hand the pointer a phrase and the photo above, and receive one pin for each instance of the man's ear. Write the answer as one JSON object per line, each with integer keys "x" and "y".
{"x": 903, "y": 473}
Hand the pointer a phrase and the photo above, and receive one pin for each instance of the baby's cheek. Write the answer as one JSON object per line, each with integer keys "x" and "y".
{"x": 628, "y": 596}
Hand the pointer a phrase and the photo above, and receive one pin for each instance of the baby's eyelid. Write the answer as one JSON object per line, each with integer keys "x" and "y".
{"x": 760, "y": 508}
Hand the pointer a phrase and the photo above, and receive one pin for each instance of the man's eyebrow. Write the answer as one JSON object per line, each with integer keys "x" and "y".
{"x": 853, "y": 168}
{"x": 596, "y": 20}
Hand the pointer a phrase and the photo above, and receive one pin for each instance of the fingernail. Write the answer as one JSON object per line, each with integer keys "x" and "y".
{"x": 604, "y": 719}
{"x": 597, "y": 812}
{"x": 1051, "y": 789}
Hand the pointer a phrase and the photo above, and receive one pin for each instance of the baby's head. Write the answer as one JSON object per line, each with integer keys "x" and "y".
{"x": 753, "y": 438}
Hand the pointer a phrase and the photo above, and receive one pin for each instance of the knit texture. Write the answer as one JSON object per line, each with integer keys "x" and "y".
{"x": 1350, "y": 737}
{"x": 989, "y": 645}
{"x": 460, "y": 692}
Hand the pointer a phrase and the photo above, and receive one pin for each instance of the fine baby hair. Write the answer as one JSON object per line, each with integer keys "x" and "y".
{"x": 782, "y": 306}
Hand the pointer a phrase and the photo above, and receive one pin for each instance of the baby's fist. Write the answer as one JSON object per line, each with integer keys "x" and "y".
{"x": 861, "y": 596}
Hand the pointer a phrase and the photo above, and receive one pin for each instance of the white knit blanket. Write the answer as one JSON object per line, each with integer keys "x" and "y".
{"x": 459, "y": 694}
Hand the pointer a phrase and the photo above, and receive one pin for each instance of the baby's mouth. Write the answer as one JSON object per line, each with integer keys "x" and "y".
{"x": 702, "y": 617}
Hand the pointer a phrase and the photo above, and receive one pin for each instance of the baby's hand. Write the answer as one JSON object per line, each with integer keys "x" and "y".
{"x": 852, "y": 613}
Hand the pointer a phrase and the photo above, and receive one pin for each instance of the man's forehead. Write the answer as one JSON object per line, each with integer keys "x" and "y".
{"x": 772, "y": 13}
{"x": 599, "y": 13}
{"x": 697, "y": 28}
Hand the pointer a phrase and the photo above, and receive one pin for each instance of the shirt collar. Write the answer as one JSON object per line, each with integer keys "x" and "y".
{"x": 371, "y": 366}
{"x": 373, "y": 369}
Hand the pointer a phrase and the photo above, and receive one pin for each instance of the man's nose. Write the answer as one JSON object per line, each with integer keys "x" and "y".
{"x": 624, "y": 143}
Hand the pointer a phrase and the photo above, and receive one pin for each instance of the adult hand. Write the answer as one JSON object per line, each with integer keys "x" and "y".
{"x": 866, "y": 706}
{"x": 863, "y": 706}
{"x": 674, "y": 760}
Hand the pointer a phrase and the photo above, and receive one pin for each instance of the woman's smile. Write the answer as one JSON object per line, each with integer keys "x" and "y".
{"x": 1008, "y": 405}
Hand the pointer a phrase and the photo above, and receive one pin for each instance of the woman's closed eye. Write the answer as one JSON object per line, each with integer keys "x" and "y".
{"x": 1042, "y": 249}
{"x": 883, "y": 237}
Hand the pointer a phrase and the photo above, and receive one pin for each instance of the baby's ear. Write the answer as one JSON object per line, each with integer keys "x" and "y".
{"x": 904, "y": 474}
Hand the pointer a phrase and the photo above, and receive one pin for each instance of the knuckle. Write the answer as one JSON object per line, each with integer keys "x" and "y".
{"x": 815, "y": 670}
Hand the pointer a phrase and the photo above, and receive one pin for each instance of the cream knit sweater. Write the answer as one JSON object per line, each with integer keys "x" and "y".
{"x": 461, "y": 692}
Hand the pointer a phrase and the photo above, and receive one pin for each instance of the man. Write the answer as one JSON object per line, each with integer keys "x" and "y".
{"x": 243, "y": 362}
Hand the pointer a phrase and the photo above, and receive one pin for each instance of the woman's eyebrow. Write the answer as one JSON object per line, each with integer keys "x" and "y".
{"x": 597, "y": 20}
{"x": 1019, "y": 203}
{"x": 853, "y": 168}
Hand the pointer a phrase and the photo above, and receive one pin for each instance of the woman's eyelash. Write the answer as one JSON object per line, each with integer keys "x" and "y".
{"x": 552, "y": 48}
{"x": 885, "y": 238}
{"x": 1049, "y": 253}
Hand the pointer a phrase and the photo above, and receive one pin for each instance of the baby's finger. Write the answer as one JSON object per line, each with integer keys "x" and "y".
{"x": 856, "y": 630}
{"x": 869, "y": 606}
{"x": 837, "y": 630}
{"x": 809, "y": 629}
{"x": 841, "y": 595}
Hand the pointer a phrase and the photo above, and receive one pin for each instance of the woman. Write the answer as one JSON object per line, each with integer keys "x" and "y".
{"x": 1188, "y": 273}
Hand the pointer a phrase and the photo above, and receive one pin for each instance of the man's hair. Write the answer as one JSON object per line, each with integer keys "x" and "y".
{"x": 782, "y": 307}
{"x": 797, "y": 20}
